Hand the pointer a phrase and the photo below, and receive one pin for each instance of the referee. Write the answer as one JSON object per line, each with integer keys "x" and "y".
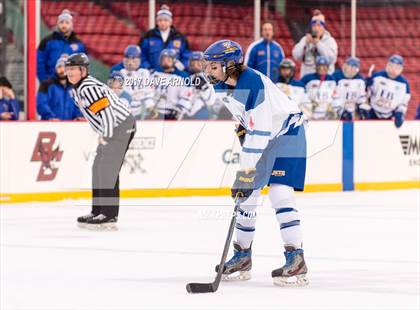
{"x": 111, "y": 118}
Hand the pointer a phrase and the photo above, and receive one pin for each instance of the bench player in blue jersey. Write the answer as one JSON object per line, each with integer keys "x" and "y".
{"x": 273, "y": 153}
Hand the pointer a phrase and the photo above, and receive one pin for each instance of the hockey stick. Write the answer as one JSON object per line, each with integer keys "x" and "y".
{"x": 213, "y": 286}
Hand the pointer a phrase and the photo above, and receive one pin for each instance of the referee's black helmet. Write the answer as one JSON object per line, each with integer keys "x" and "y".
{"x": 78, "y": 59}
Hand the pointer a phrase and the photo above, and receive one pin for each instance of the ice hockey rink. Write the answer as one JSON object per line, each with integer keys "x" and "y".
{"x": 362, "y": 250}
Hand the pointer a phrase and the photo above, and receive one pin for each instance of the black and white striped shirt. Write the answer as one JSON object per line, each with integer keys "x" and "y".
{"x": 100, "y": 106}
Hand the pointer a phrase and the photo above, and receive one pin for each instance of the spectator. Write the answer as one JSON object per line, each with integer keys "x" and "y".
{"x": 135, "y": 81}
{"x": 291, "y": 87}
{"x": 351, "y": 89}
{"x": 317, "y": 43}
{"x": 202, "y": 91}
{"x": 321, "y": 89}
{"x": 163, "y": 36}
{"x": 62, "y": 42}
{"x": 389, "y": 92}
{"x": 172, "y": 96}
{"x": 54, "y": 100}
{"x": 9, "y": 106}
{"x": 265, "y": 54}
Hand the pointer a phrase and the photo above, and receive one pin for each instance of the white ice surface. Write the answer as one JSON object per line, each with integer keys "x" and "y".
{"x": 362, "y": 250}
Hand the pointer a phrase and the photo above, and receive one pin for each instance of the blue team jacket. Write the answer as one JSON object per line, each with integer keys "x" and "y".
{"x": 152, "y": 44}
{"x": 10, "y": 105}
{"x": 52, "y": 48}
{"x": 55, "y": 101}
{"x": 265, "y": 57}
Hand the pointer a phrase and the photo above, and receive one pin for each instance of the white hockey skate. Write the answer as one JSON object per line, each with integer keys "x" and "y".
{"x": 293, "y": 273}
{"x": 238, "y": 268}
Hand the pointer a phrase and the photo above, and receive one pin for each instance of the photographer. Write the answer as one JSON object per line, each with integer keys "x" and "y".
{"x": 317, "y": 43}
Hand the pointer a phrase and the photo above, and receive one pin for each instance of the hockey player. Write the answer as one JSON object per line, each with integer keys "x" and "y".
{"x": 389, "y": 92}
{"x": 273, "y": 152}
{"x": 351, "y": 89}
{"x": 172, "y": 95}
{"x": 116, "y": 82}
{"x": 321, "y": 90}
{"x": 202, "y": 95}
{"x": 291, "y": 87}
{"x": 112, "y": 120}
{"x": 136, "y": 82}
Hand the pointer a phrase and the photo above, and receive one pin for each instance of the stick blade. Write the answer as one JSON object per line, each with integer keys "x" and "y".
{"x": 196, "y": 288}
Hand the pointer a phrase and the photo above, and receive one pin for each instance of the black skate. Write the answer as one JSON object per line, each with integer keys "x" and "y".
{"x": 239, "y": 266}
{"x": 102, "y": 222}
{"x": 81, "y": 220}
{"x": 293, "y": 273}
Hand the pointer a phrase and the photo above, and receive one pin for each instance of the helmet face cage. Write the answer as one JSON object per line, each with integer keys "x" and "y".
{"x": 393, "y": 69}
{"x": 116, "y": 82}
{"x": 196, "y": 62}
{"x": 131, "y": 63}
{"x": 167, "y": 53}
{"x": 350, "y": 71}
{"x": 322, "y": 65}
{"x": 287, "y": 64}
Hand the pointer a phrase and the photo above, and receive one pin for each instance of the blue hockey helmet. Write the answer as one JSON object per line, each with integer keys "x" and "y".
{"x": 322, "y": 61}
{"x": 225, "y": 51}
{"x": 351, "y": 67}
{"x": 196, "y": 56}
{"x": 132, "y": 51}
{"x": 116, "y": 76}
{"x": 168, "y": 52}
{"x": 353, "y": 61}
{"x": 396, "y": 59}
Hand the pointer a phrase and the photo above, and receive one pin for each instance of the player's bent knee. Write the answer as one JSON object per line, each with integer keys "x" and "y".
{"x": 281, "y": 196}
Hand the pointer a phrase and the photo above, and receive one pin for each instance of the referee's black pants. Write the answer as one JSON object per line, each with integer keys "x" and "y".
{"x": 106, "y": 169}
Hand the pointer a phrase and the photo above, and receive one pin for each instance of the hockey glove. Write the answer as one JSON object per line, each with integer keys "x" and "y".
{"x": 200, "y": 83}
{"x": 244, "y": 184}
{"x": 240, "y": 132}
{"x": 398, "y": 119}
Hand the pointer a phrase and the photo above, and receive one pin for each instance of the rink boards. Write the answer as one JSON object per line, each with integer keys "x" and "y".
{"x": 52, "y": 160}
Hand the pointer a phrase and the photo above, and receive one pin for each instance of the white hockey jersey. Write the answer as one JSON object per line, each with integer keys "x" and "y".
{"x": 262, "y": 108}
{"x": 202, "y": 94}
{"x": 387, "y": 95}
{"x": 350, "y": 92}
{"x": 172, "y": 94}
{"x": 321, "y": 95}
{"x": 296, "y": 91}
{"x": 137, "y": 85}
